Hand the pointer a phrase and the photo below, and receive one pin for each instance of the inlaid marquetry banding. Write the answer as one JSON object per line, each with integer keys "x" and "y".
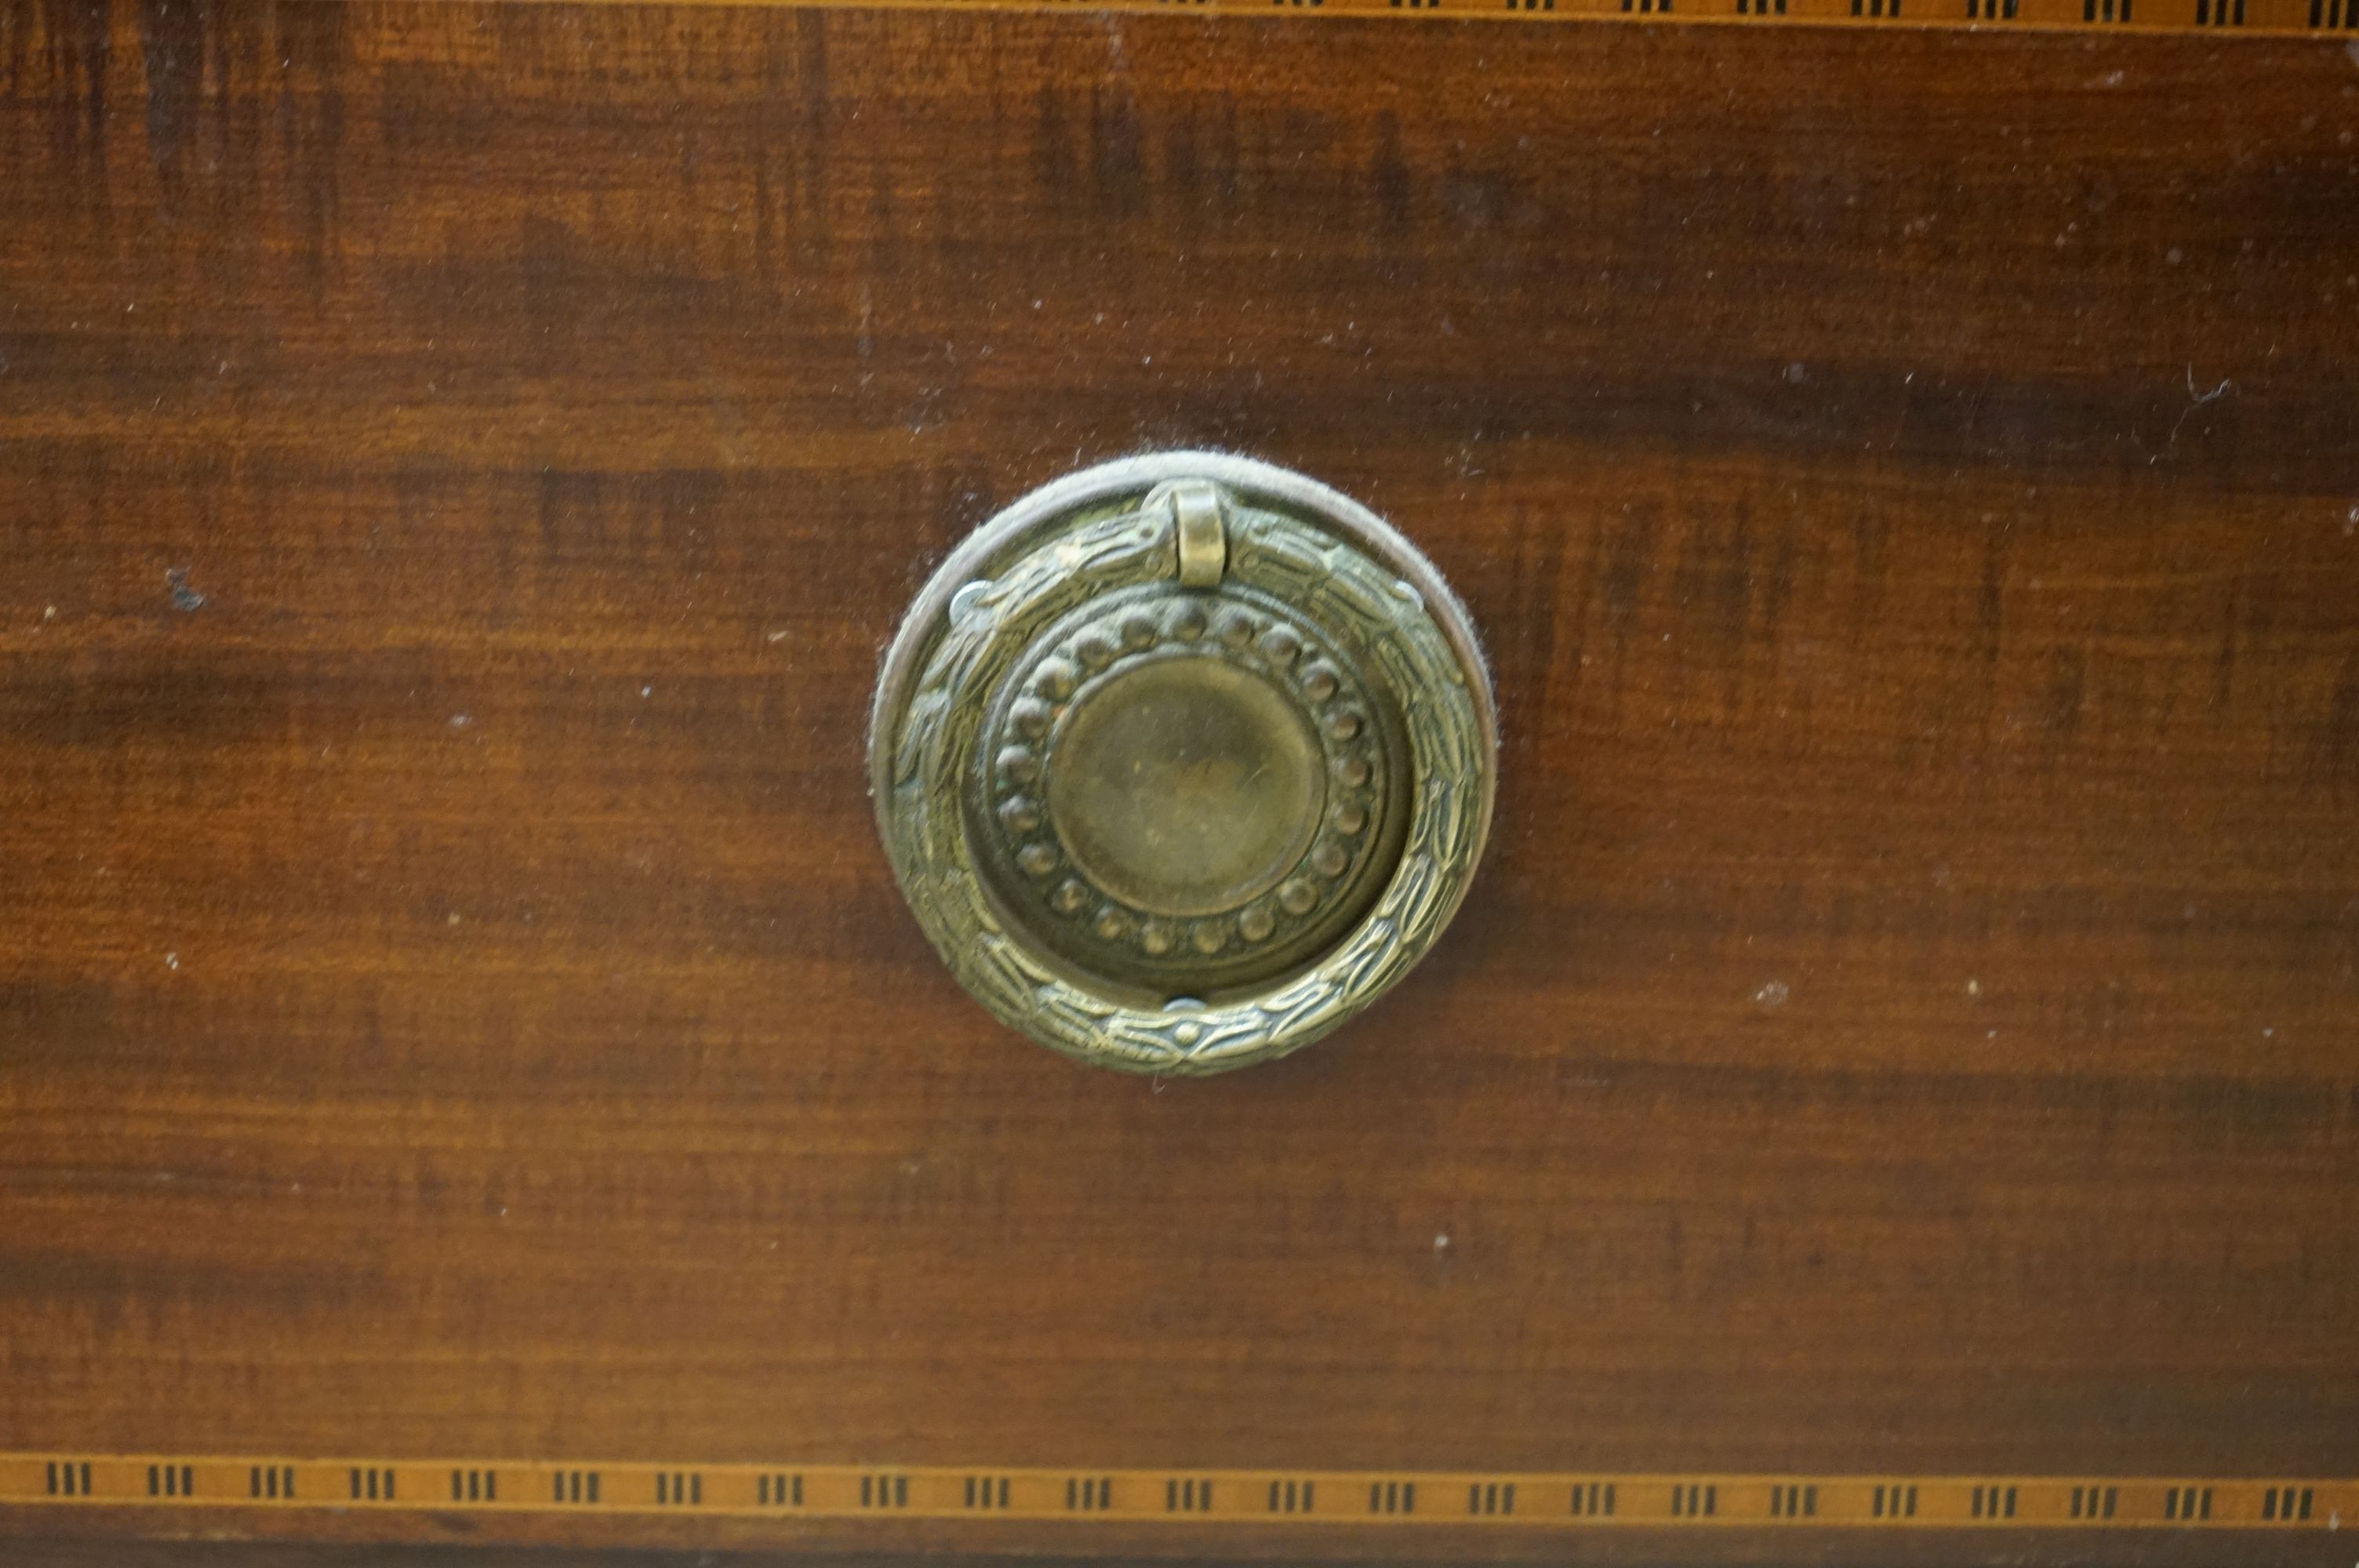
{"x": 2323, "y": 20}
{"x": 1520, "y": 1500}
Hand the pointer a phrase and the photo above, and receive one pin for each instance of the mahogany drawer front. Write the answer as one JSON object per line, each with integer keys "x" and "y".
{"x": 1890, "y": 1093}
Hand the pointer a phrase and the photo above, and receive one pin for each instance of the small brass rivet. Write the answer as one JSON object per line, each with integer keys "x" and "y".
{"x": 1096, "y": 649}
{"x": 1298, "y": 896}
{"x": 1138, "y": 629}
{"x": 1255, "y": 924}
{"x": 1344, "y": 726}
{"x": 1352, "y": 771}
{"x": 1018, "y": 765}
{"x": 1038, "y": 860}
{"x": 1156, "y": 938}
{"x": 1188, "y": 623}
{"x": 1070, "y": 895}
{"x": 1021, "y": 815}
{"x": 1111, "y": 924}
{"x": 1350, "y": 818}
{"x": 1319, "y": 683}
{"x": 1329, "y": 860}
{"x": 967, "y": 599}
{"x": 1210, "y": 936}
{"x": 1281, "y": 647}
{"x": 1030, "y": 718}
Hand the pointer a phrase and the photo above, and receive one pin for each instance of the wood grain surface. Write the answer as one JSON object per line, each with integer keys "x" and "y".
{"x": 460, "y": 466}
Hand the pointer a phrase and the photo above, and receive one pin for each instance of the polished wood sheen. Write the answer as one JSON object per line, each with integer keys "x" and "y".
{"x": 460, "y": 466}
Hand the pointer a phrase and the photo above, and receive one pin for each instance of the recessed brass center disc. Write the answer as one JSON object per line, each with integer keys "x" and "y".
{"x": 1185, "y": 787}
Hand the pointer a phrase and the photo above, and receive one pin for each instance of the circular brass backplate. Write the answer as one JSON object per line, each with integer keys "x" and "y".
{"x": 1183, "y": 759}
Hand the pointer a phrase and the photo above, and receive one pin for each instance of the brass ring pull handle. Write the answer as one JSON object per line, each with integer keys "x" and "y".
{"x": 1182, "y": 760}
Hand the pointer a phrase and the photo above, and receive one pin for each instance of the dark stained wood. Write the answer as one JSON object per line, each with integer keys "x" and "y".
{"x": 458, "y": 468}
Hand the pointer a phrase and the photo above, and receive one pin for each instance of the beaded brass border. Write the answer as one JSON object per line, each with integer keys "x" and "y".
{"x": 1172, "y": 622}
